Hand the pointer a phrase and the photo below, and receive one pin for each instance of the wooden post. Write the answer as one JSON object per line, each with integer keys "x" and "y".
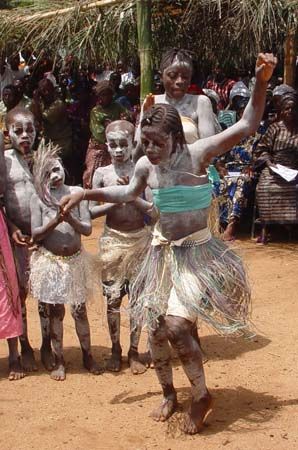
{"x": 290, "y": 55}
{"x": 145, "y": 45}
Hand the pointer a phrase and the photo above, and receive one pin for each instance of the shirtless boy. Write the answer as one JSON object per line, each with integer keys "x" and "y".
{"x": 187, "y": 273}
{"x": 10, "y": 306}
{"x": 18, "y": 192}
{"x": 124, "y": 242}
{"x": 59, "y": 267}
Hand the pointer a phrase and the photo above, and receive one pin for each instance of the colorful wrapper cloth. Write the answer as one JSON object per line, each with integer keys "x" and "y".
{"x": 197, "y": 277}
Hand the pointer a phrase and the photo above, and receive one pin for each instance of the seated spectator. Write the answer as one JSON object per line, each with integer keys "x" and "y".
{"x": 105, "y": 112}
{"x": 277, "y": 198}
{"x": 235, "y": 183}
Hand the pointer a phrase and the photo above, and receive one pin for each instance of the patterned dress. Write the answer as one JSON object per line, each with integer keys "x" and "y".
{"x": 277, "y": 198}
{"x": 233, "y": 190}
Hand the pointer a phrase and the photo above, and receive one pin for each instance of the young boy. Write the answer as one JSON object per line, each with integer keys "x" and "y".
{"x": 18, "y": 191}
{"x": 125, "y": 239}
{"x": 59, "y": 267}
{"x": 187, "y": 273}
{"x": 10, "y": 305}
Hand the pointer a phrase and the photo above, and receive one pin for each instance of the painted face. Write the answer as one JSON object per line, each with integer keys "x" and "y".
{"x": 157, "y": 146}
{"x": 56, "y": 175}
{"x": 22, "y": 134}
{"x": 119, "y": 145}
{"x": 176, "y": 79}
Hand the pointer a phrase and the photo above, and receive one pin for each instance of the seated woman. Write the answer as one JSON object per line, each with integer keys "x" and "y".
{"x": 235, "y": 184}
{"x": 277, "y": 198}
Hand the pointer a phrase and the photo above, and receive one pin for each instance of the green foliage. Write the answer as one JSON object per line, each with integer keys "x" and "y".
{"x": 230, "y": 31}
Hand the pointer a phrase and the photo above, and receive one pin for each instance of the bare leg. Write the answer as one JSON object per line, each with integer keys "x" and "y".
{"x": 47, "y": 357}
{"x": 79, "y": 314}
{"x": 57, "y": 313}
{"x": 134, "y": 362}
{"x": 16, "y": 371}
{"x": 113, "y": 313}
{"x": 180, "y": 335}
{"x": 161, "y": 356}
{"x": 195, "y": 335}
{"x": 230, "y": 232}
{"x": 27, "y": 352}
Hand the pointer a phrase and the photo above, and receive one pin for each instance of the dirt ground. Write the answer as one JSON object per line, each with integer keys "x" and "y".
{"x": 254, "y": 383}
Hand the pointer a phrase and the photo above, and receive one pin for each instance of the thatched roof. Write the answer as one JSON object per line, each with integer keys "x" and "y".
{"x": 231, "y": 30}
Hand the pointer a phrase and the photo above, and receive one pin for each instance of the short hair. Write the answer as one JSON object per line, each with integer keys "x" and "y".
{"x": 9, "y": 118}
{"x": 121, "y": 125}
{"x": 166, "y": 118}
{"x": 168, "y": 57}
{"x": 102, "y": 86}
{"x": 12, "y": 88}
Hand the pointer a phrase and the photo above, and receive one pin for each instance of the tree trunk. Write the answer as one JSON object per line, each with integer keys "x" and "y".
{"x": 145, "y": 45}
{"x": 290, "y": 55}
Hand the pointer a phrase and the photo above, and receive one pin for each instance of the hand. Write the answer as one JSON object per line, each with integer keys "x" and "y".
{"x": 123, "y": 180}
{"x": 265, "y": 65}
{"x": 69, "y": 201}
{"x": 21, "y": 239}
{"x": 148, "y": 102}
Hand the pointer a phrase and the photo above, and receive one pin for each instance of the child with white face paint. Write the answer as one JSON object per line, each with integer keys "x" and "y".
{"x": 125, "y": 239}
{"x": 60, "y": 269}
{"x": 17, "y": 195}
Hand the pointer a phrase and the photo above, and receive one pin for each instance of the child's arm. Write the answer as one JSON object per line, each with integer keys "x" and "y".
{"x": 38, "y": 230}
{"x": 97, "y": 210}
{"x": 81, "y": 224}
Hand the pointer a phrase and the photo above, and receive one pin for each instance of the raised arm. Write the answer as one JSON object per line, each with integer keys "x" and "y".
{"x": 206, "y": 122}
{"x": 112, "y": 194}
{"x": 220, "y": 143}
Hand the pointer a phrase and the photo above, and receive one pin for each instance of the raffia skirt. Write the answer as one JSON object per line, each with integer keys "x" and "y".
{"x": 121, "y": 254}
{"x": 207, "y": 279}
{"x": 63, "y": 280}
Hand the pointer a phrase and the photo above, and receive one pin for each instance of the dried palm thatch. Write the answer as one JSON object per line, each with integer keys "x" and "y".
{"x": 226, "y": 30}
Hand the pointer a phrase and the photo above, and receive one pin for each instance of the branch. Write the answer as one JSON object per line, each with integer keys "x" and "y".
{"x": 59, "y": 12}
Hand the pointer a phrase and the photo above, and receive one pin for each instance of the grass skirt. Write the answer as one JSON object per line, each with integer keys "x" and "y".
{"x": 63, "y": 280}
{"x": 121, "y": 254}
{"x": 209, "y": 279}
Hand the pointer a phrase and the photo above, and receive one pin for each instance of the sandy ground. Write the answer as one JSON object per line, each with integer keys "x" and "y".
{"x": 254, "y": 384}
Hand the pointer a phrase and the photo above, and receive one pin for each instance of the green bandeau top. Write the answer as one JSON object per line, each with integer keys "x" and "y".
{"x": 182, "y": 198}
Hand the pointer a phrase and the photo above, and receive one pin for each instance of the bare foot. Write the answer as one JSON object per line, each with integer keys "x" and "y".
{"x": 194, "y": 419}
{"x": 165, "y": 409}
{"x": 91, "y": 365}
{"x": 58, "y": 374}
{"x": 28, "y": 360}
{"x": 135, "y": 364}
{"x": 47, "y": 358}
{"x": 147, "y": 360}
{"x": 16, "y": 371}
{"x": 114, "y": 364}
{"x": 229, "y": 233}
